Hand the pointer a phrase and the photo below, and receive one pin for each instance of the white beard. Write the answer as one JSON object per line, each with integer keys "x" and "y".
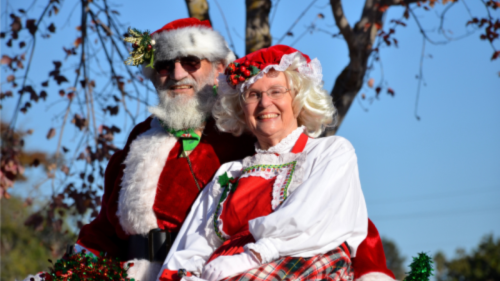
{"x": 182, "y": 112}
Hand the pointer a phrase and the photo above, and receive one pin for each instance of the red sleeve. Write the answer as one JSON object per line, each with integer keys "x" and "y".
{"x": 171, "y": 275}
{"x": 104, "y": 233}
{"x": 370, "y": 256}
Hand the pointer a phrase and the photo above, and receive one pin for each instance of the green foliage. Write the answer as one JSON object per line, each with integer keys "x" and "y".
{"x": 23, "y": 250}
{"x": 482, "y": 264}
{"x": 395, "y": 262}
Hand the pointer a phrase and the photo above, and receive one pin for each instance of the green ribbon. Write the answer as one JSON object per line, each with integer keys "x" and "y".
{"x": 189, "y": 138}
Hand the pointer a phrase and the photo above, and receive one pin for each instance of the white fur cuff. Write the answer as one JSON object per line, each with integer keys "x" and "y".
{"x": 375, "y": 276}
{"x": 143, "y": 270}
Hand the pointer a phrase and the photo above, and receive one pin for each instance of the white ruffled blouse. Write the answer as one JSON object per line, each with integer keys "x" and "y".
{"x": 323, "y": 205}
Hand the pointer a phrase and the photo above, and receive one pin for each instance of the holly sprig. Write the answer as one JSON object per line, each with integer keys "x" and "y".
{"x": 240, "y": 72}
{"x": 142, "y": 48}
{"x": 224, "y": 180}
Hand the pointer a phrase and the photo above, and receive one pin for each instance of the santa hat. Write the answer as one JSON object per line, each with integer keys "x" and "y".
{"x": 242, "y": 73}
{"x": 190, "y": 36}
{"x": 182, "y": 37}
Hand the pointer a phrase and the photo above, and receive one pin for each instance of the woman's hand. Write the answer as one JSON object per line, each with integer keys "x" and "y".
{"x": 225, "y": 266}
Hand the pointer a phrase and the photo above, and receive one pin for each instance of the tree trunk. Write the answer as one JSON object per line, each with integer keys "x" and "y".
{"x": 360, "y": 41}
{"x": 258, "y": 33}
{"x": 198, "y": 9}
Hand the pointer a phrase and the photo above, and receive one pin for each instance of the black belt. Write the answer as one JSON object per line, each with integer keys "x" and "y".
{"x": 153, "y": 247}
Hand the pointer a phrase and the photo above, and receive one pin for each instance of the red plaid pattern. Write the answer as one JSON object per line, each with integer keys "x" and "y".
{"x": 334, "y": 266}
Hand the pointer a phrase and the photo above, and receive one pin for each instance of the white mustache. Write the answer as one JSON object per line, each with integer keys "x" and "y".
{"x": 185, "y": 81}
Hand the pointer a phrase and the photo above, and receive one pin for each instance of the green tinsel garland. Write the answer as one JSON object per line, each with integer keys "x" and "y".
{"x": 421, "y": 268}
{"x": 85, "y": 266}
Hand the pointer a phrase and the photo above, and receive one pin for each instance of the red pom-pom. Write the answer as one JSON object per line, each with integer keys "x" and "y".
{"x": 246, "y": 63}
{"x": 247, "y": 73}
{"x": 243, "y": 69}
{"x": 241, "y": 78}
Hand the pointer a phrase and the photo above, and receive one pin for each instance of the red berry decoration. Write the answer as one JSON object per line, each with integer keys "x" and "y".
{"x": 247, "y": 73}
{"x": 135, "y": 46}
{"x": 150, "y": 47}
{"x": 246, "y": 63}
{"x": 243, "y": 69}
{"x": 234, "y": 81}
{"x": 241, "y": 78}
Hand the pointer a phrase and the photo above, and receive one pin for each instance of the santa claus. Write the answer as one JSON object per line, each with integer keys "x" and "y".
{"x": 150, "y": 185}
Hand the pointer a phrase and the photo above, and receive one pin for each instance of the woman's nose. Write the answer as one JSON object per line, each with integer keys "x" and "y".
{"x": 265, "y": 100}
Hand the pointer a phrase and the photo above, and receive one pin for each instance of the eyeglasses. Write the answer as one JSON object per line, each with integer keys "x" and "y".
{"x": 253, "y": 96}
{"x": 189, "y": 63}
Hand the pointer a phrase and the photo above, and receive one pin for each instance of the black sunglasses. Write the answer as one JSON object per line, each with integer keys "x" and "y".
{"x": 189, "y": 63}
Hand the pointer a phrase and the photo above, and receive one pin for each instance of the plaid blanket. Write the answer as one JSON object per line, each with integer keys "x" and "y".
{"x": 334, "y": 266}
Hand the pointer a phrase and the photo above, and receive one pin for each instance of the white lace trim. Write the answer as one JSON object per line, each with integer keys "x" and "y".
{"x": 312, "y": 70}
{"x": 216, "y": 191}
{"x": 284, "y": 146}
{"x": 288, "y": 169}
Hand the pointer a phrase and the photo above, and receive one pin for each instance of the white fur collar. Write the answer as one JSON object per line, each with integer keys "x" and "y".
{"x": 143, "y": 166}
{"x": 285, "y": 145}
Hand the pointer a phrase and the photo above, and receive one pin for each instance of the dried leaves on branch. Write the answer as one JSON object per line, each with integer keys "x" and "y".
{"x": 92, "y": 95}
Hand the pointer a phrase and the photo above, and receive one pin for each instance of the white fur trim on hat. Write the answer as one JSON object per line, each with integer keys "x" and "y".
{"x": 199, "y": 41}
{"x": 312, "y": 70}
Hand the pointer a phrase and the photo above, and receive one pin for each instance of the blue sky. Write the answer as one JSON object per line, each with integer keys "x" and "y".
{"x": 430, "y": 185}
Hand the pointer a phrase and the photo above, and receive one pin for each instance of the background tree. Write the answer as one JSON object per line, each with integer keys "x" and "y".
{"x": 482, "y": 264}
{"x": 25, "y": 250}
{"x": 395, "y": 261}
{"x": 96, "y": 88}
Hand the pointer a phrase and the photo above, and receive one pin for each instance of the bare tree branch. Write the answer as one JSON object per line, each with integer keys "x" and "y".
{"x": 296, "y": 21}
{"x": 258, "y": 31}
{"x": 360, "y": 41}
{"x": 341, "y": 20}
{"x": 198, "y": 9}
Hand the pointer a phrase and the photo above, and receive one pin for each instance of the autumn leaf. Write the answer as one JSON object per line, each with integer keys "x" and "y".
{"x": 377, "y": 90}
{"x": 52, "y": 28}
{"x": 495, "y": 55}
{"x": 289, "y": 33}
{"x": 51, "y": 133}
{"x": 11, "y": 78}
{"x": 30, "y": 25}
{"x": 390, "y": 91}
{"x": 65, "y": 169}
{"x": 6, "y": 60}
{"x": 321, "y": 16}
{"x": 43, "y": 95}
{"x": 77, "y": 42}
{"x": 370, "y": 82}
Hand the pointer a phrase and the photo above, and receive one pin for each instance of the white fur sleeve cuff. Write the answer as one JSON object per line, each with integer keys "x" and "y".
{"x": 265, "y": 248}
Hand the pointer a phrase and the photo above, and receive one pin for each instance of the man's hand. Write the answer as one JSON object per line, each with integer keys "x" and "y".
{"x": 225, "y": 266}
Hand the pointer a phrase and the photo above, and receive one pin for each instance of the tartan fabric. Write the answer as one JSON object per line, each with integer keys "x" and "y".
{"x": 334, "y": 266}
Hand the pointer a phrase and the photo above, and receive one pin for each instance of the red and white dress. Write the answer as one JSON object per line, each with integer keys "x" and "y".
{"x": 301, "y": 198}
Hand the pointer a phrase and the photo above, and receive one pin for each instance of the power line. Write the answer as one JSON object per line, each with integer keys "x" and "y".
{"x": 434, "y": 214}
{"x": 448, "y": 194}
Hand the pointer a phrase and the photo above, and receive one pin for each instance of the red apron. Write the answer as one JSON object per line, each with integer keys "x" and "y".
{"x": 249, "y": 200}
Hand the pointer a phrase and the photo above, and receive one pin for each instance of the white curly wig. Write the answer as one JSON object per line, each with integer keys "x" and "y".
{"x": 311, "y": 102}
